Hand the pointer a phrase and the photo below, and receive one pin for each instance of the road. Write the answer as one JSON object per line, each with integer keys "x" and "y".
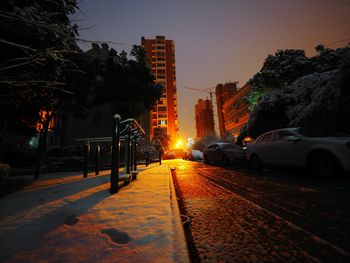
{"x": 237, "y": 214}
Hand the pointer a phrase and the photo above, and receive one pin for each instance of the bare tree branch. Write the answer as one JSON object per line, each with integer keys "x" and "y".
{"x": 17, "y": 45}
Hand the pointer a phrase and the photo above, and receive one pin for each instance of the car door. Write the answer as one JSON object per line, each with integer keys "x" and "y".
{"x": 210, "y": 152}
{"x": 217, "y": 153}
{"x": 284, "y": 152}
{"x": 261, "y": 148}
{"x": 265, "y": 152}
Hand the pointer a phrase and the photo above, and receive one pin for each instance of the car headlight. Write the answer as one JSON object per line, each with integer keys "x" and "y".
{"x": 347, "y": 144}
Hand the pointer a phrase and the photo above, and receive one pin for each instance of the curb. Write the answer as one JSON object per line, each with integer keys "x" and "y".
{"x": 180, "y": 245}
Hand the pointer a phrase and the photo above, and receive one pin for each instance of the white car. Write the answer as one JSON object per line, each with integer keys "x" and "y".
{"x": 324, "y": 154}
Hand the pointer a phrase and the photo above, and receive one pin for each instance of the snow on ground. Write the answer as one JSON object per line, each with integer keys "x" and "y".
{"x": 81, "y": 222}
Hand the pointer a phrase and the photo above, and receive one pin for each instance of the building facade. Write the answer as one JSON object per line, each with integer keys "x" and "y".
{"x": 236, "y": 111}
{"x": 204, "y": 118}
{"x": 223, "y": 93}
{"x": 161, "y": 55}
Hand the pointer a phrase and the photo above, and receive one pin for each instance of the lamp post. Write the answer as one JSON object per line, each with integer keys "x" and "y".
{"x": 115, "y": 154}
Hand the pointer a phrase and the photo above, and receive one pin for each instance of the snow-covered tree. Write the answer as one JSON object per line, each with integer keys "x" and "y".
{"x": 319, "y": 99}
{"x": 286, "y": 66}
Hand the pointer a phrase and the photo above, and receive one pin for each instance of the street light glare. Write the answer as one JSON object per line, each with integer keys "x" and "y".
{"x": 178, "y": 144}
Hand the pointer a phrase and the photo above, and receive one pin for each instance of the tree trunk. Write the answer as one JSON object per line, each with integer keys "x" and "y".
{"x": 42, "y": 143}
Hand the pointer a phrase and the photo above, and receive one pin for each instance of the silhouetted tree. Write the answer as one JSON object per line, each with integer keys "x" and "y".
{"x": 126, "y": 84}
{"x": 161, "y": 138}
{"x": 36, "y": 45}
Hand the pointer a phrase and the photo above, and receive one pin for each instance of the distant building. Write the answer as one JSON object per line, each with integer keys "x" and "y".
{"x": 236, "y": 111}
{"x": 98, "y": 52}
{"x": 204, "y": 118}
{"x": 161, "y": 54}
{"x": 223, "y": 93}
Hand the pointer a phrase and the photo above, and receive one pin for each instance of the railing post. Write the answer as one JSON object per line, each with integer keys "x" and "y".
{"x": 97, "y": 159}
{"x": 86, "y": 161}
{"x": 132, "y": 155}
{"x": 128, "y": 152}
{"x": 114, "y": 187}
{"x": 147, "y": 159}
{"x": 135, "y": 155}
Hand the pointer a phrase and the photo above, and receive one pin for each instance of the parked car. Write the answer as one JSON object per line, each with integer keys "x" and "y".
{"x": 324, "y": 153}
{"x": 223, "y": 153}
{"x": 193, "y": 155}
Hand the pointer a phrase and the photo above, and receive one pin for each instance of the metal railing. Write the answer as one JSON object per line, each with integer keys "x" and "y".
{"x": 127, "y": 131}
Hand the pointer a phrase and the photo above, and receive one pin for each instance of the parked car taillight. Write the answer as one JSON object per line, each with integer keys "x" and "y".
{"x": 347, "y": 144}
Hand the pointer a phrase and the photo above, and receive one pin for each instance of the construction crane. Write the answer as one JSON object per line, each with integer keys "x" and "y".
{"x": 208, "y": 91}
{"x": 215, "y": 109}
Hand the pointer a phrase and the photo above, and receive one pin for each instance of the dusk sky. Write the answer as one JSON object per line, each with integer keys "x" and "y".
{"x": 216, "y": 41}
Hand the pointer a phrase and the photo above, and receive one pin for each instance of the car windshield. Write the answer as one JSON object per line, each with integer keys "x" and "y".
{"x": 316, "y": 133}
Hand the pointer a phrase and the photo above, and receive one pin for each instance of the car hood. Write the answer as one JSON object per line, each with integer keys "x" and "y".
{"x": 329, "y": 139}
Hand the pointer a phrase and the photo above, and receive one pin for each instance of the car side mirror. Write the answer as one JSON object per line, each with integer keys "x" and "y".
{"x": 292, "y": 138}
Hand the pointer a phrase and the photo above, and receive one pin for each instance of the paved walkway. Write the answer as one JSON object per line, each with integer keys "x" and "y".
{"x": 78, "y": 220}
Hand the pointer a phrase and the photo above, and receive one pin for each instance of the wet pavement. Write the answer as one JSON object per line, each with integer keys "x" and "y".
{"x": 239, "y": 215}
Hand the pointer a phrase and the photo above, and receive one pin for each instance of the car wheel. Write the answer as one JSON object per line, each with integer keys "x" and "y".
{"x": 206, "y": 161}
{"x": 256, "y": 162}
{"x": 323, "y": 164}
{"x": 225, "y": 161}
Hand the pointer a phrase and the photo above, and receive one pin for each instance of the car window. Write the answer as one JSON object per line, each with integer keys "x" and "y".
{"x": 258, "y": 139}
{"x": 266, "y": 138}
{"x": 281, "y": 135}
{"x": 230, "y": 145}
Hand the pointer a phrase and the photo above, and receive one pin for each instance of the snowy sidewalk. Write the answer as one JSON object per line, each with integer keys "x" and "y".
{"x": 80, "y": 221}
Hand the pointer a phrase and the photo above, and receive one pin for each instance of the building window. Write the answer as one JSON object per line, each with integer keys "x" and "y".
{"x": 162, "y": 122}
{"x": 161, "y": 109}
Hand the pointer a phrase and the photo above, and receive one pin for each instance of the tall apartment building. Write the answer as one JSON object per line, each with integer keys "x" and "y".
{"x": 223, "y": 93}
{"x": 161, "y": 54}
{"x": 204, "y": 118}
